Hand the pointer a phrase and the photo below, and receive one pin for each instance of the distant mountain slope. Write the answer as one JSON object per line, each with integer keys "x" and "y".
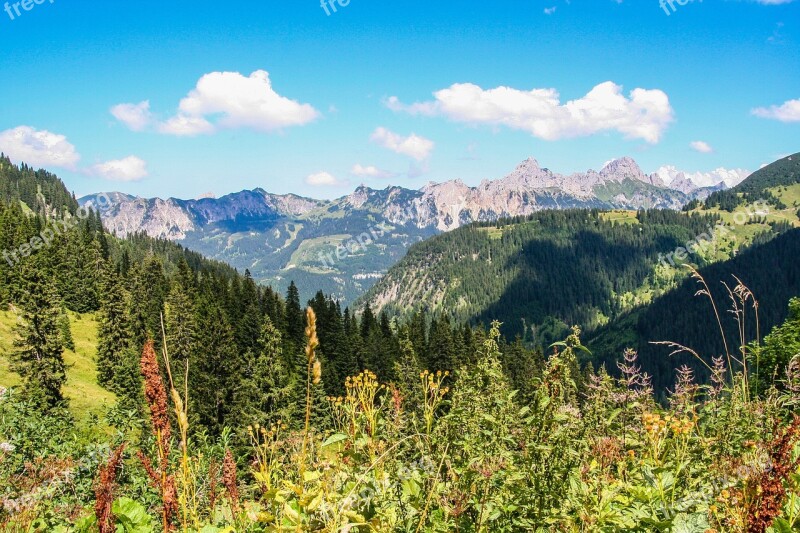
{"x": 39, "y": 190}
{"x": 771, "y": 271}
{"x": 785, "y": 171}
{"x": 760, "y": 185}
{"x": 546, "y": 272}
{"x": 280, "y": 238}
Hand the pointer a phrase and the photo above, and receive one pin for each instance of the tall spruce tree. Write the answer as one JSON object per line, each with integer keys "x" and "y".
{"x": 216, "y": 375}
{"x": 113, "y": 333}
{"x": 180, "y": 320}
{"x": 295, "y": 320}
{"x": 39, "y": 351}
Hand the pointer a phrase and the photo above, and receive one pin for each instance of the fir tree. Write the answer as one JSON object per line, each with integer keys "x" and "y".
{"x": 113, "y": 334}
{"x": 295, "y": 321}
{"x": 181, "y": 330}
{"x": 66, "y": 331}
{"x": 39, "y": 353}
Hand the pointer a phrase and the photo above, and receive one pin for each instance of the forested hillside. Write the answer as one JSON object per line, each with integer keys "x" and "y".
{"x": 38, "y": 189}
{"x": 766, "y": 184}
{"x": 771, "y": 273}
{"x": 542, "y": 273}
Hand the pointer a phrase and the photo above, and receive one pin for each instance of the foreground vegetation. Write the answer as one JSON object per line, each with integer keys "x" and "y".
{"x": 430, "y": 452}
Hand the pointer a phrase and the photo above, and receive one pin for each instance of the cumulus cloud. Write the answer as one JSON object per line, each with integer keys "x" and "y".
{"x": 371, "y": 172}
{"x": 701, "y": 146}
{"x": 38, "y": 148}
{"x": 413, "y": 146}
{"x": 185, "y": 125}
{"x": 130, "y": 168}
{"x": 324, "y": 179}
{"x": 787, "y": 112}
{"x": 643, "y": 114}
{"x": 137, "y": 117}
{"x": 224, "y": 100}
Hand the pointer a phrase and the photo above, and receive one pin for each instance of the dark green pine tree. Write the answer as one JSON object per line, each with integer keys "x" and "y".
{"x": 81, "y": 272}
{"x": 441, "y": 349}
{"x": 216, "y": 374}
{"x": 295, "y": 319}
{"x": 334, "y": 350}
{"x": 180, "y": 320}
{"x": 522, "y": 365}
{"x": 407, "y": 372}
{"x": 39, "y": 351}
{"x": 149, "y": 288}
{"x": 66, "y": 331}
{"x": 117, "y": 355}
{"x": 368, "y": 322}
{"x": 271, "y": 378}
{"x": 267, "y": 395}
{"x": 248, "y": 327}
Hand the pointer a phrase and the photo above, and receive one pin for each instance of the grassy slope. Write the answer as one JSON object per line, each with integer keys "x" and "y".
{"x": 85, "y": 395}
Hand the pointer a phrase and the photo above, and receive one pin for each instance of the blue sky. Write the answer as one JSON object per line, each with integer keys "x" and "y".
{"x": 384, "y": 92}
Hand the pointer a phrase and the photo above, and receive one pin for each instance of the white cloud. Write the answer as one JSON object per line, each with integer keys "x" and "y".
{"x": 136, "y": 117}
{"x": 701, "y": 146}
{"x": 185, "y": 126}
{"x": 787, "y": 112}
{"x": 550, "y": 10}
{"x": 130, "y": 168}
{"x": 645, "y": 114}
{"x": 224, "y": 100}
{"x": 324, "y": 179}
{"x": 371, "y": 172}
{"x": 38, "y": 148}
{"x": 413, "y": 146}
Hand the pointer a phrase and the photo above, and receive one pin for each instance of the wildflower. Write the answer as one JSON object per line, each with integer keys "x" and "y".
{"x": 7, "y": 447}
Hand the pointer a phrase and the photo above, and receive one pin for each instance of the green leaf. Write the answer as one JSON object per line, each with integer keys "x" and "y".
{"x": 131, "y": 516}
{"x": 334, "y": 439}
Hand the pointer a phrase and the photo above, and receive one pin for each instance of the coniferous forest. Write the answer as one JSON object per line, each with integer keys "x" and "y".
{"x": 236, "y": 408}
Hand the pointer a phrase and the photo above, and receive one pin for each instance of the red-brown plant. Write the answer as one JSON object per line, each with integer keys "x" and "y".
{"x": 156, "y": 395}
{"x": 769, "y": 487}
{"x": 230, "y": 481}
{"x": 104, "y": 489}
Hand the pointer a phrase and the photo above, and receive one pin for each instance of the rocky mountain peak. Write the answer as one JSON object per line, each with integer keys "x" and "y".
{"x": 622, "y": 169}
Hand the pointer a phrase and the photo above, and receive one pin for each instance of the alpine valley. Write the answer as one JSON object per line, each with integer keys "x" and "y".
{"x": 344, "y": 246}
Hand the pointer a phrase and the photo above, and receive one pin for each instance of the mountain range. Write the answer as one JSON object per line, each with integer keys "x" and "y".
{"x": 344, "y": 246}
